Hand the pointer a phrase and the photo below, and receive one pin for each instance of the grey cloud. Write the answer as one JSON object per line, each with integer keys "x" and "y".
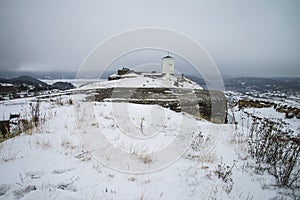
{"x": 254, "y": 37}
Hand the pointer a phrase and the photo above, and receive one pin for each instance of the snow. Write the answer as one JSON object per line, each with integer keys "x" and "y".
{"x": 55, "y": 162}
{"x": 6, "y": 84}
{"x": 242, "y": 117}
{"x": 8, "y": 107}
{"x": 142, "y": 81}
{"x": 272, "y": 114}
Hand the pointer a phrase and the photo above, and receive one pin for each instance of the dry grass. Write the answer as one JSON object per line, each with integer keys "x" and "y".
{"x": 142, "y": 196}
{"x": 7, "y": 156}
{"x": 67, "y": 144}
{"x": 146, "y": 159}
{"x": 98, "y": 167}
{"x": 83, "y": 156}
{"x": 95, "y": 124}
{"x": 132, "y": 179}
{"x": 43, "y": 144}
{"x": 111, "y": 175}
{"x": 210, "y": 157}
{"x": 133, "y": 151}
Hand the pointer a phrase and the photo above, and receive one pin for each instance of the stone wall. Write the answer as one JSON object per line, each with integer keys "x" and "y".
{"x": 210, "y": 105}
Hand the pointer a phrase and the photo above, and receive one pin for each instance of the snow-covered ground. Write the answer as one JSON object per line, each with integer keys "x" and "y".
{"x": 269, "y": 113}
{"x": 57, "y": 160}
{"x": 53, "y": 163}
{"x": 143, "y": 81}
{"x": 242, "y": 116}
{"x": 135, "y": 81}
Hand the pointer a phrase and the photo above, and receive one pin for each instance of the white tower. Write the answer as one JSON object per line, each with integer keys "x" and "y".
{"x": 167, "y": 65}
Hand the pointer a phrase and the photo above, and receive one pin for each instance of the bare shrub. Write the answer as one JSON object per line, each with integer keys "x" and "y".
{"x": 197, "y": 143}
{"x": 224, "y": 172}
{"x": 141, "y": 125}
{"x": 275, "y": 151}
{"x": 133, "y": 150}
{"x": 20, "y": 193}
{"x": 25, "y": 126}
{"x": 132, "y": 179}
{"x": 209, "y": 157}
{"x": 83, "y": 156}
{"x": 67, "y": 144}
{"x": 43, "y": 144}
{"x": 59, "y": 101}
{"x": 70, "y": 101}
{"x": 35, "y": 112}
{"x": 146, "y": 159}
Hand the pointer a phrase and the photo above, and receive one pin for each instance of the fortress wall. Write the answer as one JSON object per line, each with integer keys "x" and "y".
{"x": 210, "y": 105}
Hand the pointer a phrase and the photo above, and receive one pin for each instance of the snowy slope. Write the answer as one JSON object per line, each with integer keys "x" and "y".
{"x": 52, "y": 162}
{"x": 143, "y": 81}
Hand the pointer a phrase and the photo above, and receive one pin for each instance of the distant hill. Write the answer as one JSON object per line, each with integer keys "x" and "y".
{"x": 62, "y": 86}
{"x": 23, "y": 86}
{"x": 27, "y": 80}
{"x": 263, "y": 84}
{"x": 258, "y": 84}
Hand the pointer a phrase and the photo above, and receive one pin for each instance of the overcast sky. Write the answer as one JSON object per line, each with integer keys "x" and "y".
{"x": 258, "y": 37}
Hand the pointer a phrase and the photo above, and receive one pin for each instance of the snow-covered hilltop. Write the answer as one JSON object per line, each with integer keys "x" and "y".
{"x": 122, "y": 139}
{"x": 133, "y": 79}
{"x": 129, "y": 78}
{"x": 52, "y": 161}
{"x": 178, "y": 93}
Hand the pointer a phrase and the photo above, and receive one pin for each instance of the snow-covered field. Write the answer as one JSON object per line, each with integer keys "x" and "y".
{"x": 60, "y": 159}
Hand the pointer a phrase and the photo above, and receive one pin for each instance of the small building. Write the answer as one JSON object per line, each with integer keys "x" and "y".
{"x": 168, "y": 65}
{"x": 167, "y": 69}
{"x": 124, "y": 71}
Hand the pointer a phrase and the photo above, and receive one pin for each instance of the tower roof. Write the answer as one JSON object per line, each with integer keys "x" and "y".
{"x": 168, "y": 56}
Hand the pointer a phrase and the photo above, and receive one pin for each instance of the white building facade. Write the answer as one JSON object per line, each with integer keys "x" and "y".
{"x": 168, "y": 65}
